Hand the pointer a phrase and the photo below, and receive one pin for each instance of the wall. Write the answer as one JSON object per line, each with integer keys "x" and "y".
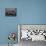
{"x": 28, "y": 12}
{"x": 33, "y": 12}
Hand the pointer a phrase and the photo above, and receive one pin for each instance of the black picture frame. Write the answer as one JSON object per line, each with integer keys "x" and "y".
{"x": 10, "y": 11}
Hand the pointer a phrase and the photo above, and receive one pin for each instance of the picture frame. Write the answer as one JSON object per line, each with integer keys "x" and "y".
{"x": 10, "y": 11}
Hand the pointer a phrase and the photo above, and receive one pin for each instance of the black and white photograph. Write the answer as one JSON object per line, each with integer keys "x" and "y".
{"x": 10, "y": 11}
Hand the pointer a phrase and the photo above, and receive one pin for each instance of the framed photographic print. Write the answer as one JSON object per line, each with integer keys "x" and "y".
{"x": 10, "y": 11}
